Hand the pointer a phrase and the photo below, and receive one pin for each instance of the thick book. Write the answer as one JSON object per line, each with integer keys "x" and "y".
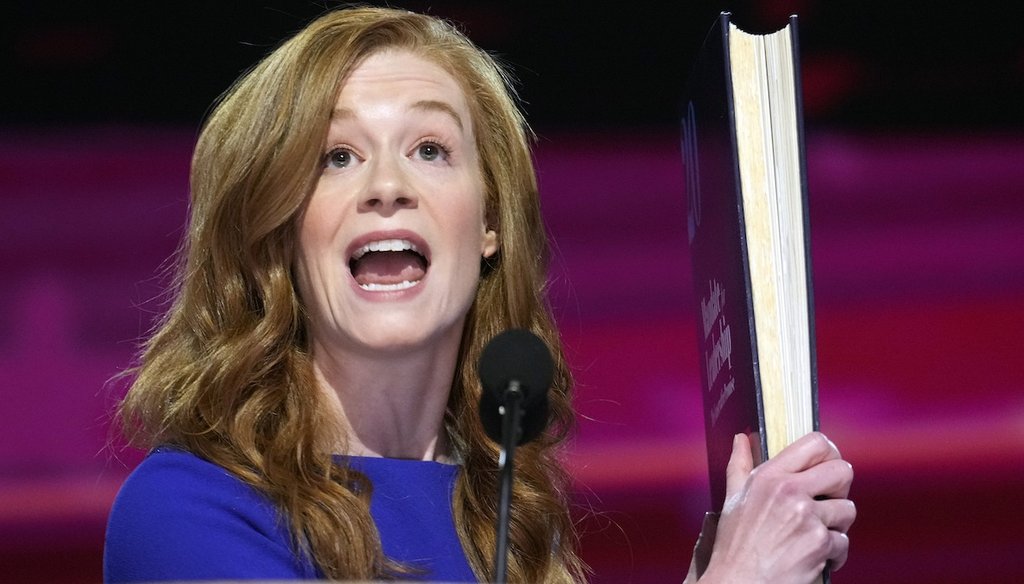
{"x": 747, "y": 226}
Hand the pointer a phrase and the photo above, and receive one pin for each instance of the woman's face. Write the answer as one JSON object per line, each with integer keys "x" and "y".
{"x": 391, "y": 241}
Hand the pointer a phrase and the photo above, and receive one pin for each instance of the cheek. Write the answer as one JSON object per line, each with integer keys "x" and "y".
{"x": 320, "y": 223}
{"x": 313, "y": 225}
{"x": 470, "y": 214}
{"x": 472, "y": 226}
{"x": 311, "y": 248}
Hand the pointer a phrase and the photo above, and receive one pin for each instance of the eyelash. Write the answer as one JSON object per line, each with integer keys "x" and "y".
{"x": 332, "y": 151}
{"x": 445, "y": 150}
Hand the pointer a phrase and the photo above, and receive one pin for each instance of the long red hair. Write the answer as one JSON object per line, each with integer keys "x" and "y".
{"x": 227, "y": 373}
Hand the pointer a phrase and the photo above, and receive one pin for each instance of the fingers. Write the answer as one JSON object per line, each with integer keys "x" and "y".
{"x": 839, "y": 549}
{"x": 808, "y": 451}
{"x": 812, "y": 465}
{"x": 825, "y": 536}
{"x": 795, "y": 504}
{"x": 830, "y": 479}
{"x": 741, "y": 462}
{"x": 836, "y": 514}
{"x": 817, "y": 490}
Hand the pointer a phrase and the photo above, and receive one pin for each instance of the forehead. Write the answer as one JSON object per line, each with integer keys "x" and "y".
{"x": 400, "y": 75}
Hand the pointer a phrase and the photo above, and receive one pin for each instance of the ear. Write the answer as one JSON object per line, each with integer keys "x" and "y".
{"x": 490, "y": 243}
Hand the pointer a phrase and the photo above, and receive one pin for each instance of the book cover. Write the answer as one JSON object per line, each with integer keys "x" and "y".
{"x": 733, "y": 356}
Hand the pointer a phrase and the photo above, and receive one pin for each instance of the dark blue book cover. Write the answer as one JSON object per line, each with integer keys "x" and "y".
{"x": 727, "y": 336}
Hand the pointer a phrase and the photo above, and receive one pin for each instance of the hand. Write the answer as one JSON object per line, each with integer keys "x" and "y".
{"x": 783, "y": 520}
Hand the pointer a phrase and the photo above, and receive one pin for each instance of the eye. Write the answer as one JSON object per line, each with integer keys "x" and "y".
{"x": 431, "y": 151}
{"x": 338, "y": 158}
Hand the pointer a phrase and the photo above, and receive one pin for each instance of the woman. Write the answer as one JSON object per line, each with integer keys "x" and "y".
{"x": 291, "y": 341}
{"x": 364, "y": 219}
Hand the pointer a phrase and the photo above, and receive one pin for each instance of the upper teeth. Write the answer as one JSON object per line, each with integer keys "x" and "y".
{"x": 386, "y": 245}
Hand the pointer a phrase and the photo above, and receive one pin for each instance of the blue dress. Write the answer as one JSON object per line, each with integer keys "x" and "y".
{"x": 179, "y": 517}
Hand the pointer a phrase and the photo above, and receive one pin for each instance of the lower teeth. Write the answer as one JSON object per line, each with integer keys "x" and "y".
{"x": 388, "y": 287}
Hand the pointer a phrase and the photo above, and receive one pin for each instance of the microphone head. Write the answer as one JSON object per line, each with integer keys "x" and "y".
{"x": 515, "y": 355}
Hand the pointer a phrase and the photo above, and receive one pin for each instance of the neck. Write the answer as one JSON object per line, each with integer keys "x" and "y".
{"x": 390, "y": 404}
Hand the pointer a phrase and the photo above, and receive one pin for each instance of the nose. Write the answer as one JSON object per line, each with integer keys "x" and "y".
{"x": 388, "y": 189}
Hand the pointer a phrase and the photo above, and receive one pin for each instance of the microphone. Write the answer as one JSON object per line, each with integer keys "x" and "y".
{"x": 515, "y": 361}
{"x": 515, "y": 370}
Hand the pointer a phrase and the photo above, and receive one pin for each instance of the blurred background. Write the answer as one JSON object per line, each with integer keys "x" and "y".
{"x": 915, "y": 136}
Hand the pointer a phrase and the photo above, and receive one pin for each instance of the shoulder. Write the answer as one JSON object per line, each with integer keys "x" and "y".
{"x": 180, "y": 517}
{"x": 172, "y": 478}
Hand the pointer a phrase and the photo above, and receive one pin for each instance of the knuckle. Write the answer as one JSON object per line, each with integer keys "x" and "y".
{"x": 821, "y": 540}
{"x": 802, "y": 509}
{"x": 787, "y": 489}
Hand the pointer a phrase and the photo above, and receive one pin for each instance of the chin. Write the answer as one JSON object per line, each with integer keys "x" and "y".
{"x": 398, "y": 334}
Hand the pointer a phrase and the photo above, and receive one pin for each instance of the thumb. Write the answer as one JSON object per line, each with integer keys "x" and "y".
{"x": 741, "y": 463}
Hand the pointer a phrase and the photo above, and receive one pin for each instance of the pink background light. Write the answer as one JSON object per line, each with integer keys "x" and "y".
{"x": 918, "y": 256}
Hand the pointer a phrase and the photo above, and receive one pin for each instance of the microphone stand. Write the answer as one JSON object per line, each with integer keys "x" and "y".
{"x": 511, "y": 410}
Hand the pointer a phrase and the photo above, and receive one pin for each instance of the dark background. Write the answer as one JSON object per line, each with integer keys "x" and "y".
{"x": 870, "y": 63}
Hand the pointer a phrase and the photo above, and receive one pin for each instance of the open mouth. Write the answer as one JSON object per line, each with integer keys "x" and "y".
{"x": 388, "y": 265}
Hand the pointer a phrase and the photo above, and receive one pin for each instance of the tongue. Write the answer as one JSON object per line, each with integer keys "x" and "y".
{"x": 392, "y": 267}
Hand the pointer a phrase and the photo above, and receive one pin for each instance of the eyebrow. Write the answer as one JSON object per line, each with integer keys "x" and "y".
{"x": 430, "y": 105}
{"x": 439, "y": 106}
